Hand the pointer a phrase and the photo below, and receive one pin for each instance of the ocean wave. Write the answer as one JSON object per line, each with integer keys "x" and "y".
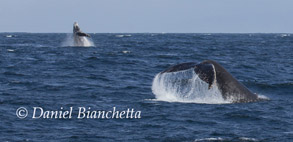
{"x": 125, "y": 51}
{"x": 291, "y": 132}
{"x": 240, "y": 139}
{"x": 10, "y": 36}
{"x": 280, "y": 85}
{"x": 209, "y": 139}
{"x": 13, "y": 73}
{"x": 126, "y": 35}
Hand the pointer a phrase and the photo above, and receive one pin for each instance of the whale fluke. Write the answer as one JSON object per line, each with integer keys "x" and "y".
{"x": 215, "y": 75}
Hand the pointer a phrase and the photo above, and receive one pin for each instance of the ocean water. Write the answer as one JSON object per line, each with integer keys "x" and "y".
{"x": 38, "y": 70}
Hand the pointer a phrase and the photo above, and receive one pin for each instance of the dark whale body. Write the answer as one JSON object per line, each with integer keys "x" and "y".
{"x": 214, "y": 74}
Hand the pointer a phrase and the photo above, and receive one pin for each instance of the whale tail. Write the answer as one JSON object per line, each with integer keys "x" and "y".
{"x": 208, "y": 78}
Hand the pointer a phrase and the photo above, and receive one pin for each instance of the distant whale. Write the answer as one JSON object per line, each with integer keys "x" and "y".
{"x": 79, "y": 36}
{"x": 215, "y": 75}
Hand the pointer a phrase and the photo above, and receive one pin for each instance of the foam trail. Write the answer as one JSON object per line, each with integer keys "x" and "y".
{"x": 185, "y": 86}
{"x": 69, "y": 41}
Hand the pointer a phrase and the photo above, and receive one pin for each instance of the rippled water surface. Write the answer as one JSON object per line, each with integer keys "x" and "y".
{"x": 36, "y": 70}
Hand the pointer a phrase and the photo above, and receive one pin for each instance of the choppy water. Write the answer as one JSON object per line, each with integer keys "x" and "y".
{"x": 36, "y": 70}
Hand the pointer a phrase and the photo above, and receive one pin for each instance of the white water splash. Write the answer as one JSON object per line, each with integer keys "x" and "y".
{"x": 209, "y": 139}
{"x": 263, "y": 97}
{"x": 185, "y": 86}
{"x": 244, "y": 139}
{"x": 69, "y": 41}
{"x": 123, "y": 35}
{"x": 248, "y": 139}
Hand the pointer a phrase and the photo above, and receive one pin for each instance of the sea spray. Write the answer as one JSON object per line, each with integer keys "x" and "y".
{"x": 185, "y": 86}
{"x": 69, "y": 41}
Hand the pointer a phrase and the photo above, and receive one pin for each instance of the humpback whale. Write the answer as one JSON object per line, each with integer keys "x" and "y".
{"x": 79, "y": 36}
{"x": 214, "y": 75}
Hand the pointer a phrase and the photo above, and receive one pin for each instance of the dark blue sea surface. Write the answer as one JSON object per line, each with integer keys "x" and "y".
{"x": 37, "y": 70}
